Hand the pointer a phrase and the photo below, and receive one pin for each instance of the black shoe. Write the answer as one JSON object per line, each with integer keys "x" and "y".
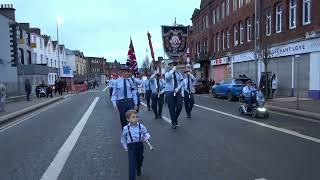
{"x": 160, "y": 116}
{"x": 189, "y": 116}
{"x": 173, "y": 126}
{"x": 138, "y": 171}
{"x": 156, "y": 117}
{"x": 149, "y": 109}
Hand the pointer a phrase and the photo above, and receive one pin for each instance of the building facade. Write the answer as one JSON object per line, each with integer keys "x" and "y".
{"x": 8, "y": 49}
{"x": 237, "y": 37}
{"x": 96, "y": 69}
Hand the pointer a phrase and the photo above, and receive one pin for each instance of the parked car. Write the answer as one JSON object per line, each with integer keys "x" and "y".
{"x": 229, "y": 88}
{"x": 202, "y": 86}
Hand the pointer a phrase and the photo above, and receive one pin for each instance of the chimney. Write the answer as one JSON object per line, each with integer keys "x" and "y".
{"x": 36, "y": 31}
{"x": 8, "y": 11}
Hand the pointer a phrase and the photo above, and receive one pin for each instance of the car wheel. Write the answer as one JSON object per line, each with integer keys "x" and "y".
{"x": 214, "y": 94}
{"x": 254, "y": 113}
{"x": 230, "y": 97}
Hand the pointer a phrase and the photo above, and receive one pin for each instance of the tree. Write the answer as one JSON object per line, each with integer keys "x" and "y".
{"x": 146, "y": 65}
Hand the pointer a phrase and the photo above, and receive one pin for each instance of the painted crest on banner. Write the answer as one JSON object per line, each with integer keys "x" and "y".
{"x": 174, "y": 40}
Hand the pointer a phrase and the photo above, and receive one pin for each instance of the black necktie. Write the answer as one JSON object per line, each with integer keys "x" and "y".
{"x": 175, "y": 85}
{"x": 158, "y": 85}
{"x": 125, "y": 89}
{"x": 189, "y": 83}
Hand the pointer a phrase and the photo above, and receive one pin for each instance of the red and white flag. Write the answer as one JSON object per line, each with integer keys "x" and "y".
{"x": 132, "y": 61}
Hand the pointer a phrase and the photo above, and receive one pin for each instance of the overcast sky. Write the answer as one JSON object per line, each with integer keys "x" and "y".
{"x": 104, "y": 27}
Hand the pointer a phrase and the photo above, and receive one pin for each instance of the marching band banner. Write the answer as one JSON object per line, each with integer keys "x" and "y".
{"x": 174, "y": 40}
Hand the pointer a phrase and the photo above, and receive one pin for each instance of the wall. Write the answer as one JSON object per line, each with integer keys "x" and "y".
{"x": 7, "y": 72}
{"x": 248, "y": 67}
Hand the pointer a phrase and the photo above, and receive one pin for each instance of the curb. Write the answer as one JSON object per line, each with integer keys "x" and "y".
{"x": 8, "y": 117}
{"x": 295, "y": 112}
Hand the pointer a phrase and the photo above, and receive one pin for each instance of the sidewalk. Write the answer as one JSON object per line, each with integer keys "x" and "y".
{"x": 16, "y": 109}
{"x": 308, "y": 107}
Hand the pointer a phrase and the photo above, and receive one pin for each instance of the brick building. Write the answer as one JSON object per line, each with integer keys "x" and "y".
{"x": 112, "y": 68}
{"x": 228, "y": 37}
{"x": 96, "y": 68}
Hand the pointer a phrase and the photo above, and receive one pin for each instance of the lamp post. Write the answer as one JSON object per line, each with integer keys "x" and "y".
{"x": 59, "y": 22}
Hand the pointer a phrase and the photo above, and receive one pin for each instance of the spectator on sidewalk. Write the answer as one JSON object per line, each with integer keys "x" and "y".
{"x": 55, "y": 87}
{"x": 27, "y": 88}
{"x": 60, "y": 87}
{"x": 274, "y": 85}
{"x": 3, "y": 91}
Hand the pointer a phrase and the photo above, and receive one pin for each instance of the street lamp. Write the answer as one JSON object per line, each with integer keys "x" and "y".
{"x": 59, "y": 22}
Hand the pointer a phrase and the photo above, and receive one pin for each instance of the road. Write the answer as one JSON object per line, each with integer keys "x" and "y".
{"x": 79, "y": 138}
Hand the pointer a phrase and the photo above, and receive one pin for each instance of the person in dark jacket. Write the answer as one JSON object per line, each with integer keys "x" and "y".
{"x": 60, "y": 87}
{"x": 27, "y": 88}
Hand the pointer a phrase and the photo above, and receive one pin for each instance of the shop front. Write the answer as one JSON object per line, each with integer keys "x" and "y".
{"x": 219, "y": 69}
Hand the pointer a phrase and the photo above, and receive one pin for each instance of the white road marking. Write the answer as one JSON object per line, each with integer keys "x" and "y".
{"x": 261, "y": 179}
{"x": 56, "y": 166}
{"x": 296, "y": 117}
{"x": 10, "y": 125}
{"x": 290, "y": 132}
{"x": 105, "y": 88}
{"x": 168, "y": 120}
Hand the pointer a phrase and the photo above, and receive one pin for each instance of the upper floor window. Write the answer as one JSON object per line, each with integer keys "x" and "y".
{"x": 278, "y": 18}
{"x": 227, "y": 7}
{"x": 268, "y": 23}
{"x": 293, "y": 14}
{"x": 228, "y": 39}
{"x": 235, "y": 35}
{"x": 248, "y": 1}
{"x": 306, "y": 12}
{"x": 34, "y": 39}
{"x": 241, "y": 32}
{"x": 207, "y": 22}
{"x": 249, "y": 30}
{"x": 235, "y": 5}
{"x": 241, "y": 3}
{"x": 214, "y": 17}
{"x": 223, "y": 10}
{"x": 223, "y": 40}
{"x": 218, "y": 42}
{"x": 218, "y": 13}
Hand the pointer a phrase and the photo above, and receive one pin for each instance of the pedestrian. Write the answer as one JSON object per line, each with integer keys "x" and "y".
{"x": 148, "y": 91}
{"x": 27, "y": 88}
{"x": 157, "y": 87}
{"x": 174, "y": 93}
{"x": 3, "y": 93}
{"x": 189, "y": 90}
{"x": 274, "y": 84}
{"x": 60, "y": 87}
{"x": 136, "y": 83}
{"x": 132, "y": 136}
{"x": 111, "y": 84}
{"x": 55, "y": 87}
{"x": 124, "y": 97}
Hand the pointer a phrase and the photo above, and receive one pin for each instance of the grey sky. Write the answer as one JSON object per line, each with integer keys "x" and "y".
{"x": 104, "y": 27}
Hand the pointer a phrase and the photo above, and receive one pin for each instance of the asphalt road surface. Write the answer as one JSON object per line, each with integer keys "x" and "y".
{"x": 79, "y": 138}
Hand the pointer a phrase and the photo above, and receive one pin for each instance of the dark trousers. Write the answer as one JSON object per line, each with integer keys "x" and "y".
{"x": 28, "y": 95}
{"x": 123, "y": 107}
{"x": 157, "y": 103}
{"x": 135, "y": 153}
{"x": 139, "y": 101}
{"x": 148, "y": 97}
{"x": 249, "y": 101}
{"x": 174, "y": 105}
{"x": 188, "y": 102}
{"x": 110, "y": 91}
{"x": 60, "y": 91}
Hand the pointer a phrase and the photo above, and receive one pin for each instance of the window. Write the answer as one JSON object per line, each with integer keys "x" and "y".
{"x": 223, "y": 8}
{"x": 41, "y": 57}
{"x": 218, "y": 42}
{"x": 214, "y": 16}
{"x": 51, "y": 63}
{"x": 235, "y": 35}
{"x": 223, "y": 40}
{"x": 278, "y": 18}
{"x": 248, "y": 1}
{"x": 306, "y": 12}
{"x": 268, "y": 23}
{"x": 257, "y": 29}
{"x": 34, "y": 39}
{"x": 293, "y": 14}
{"x": 227, "y": 7}
{"x": 21, "y": 34}
{"x": 207, "y": 22}
{"x": 55, "y": 63}
{"x": 35, "y": 58}
{"x": 241, "y": 32}
{"x": 29, "y": 39}
{"x": 21, "y": 56}
{"x": 41, "y": 43}
{"x": 218, "y": 13}
{"x": 241, "y": 3}
{"x": 235, "y": 5}
{"x": 249, "y": 30}
{"x": 228, "y": 39}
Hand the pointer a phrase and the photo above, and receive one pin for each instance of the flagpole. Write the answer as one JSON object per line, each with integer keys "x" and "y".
{"x": 151, "y": 51}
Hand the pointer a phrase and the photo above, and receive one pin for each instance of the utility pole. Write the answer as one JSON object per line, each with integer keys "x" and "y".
{"x": 257, "y": 39}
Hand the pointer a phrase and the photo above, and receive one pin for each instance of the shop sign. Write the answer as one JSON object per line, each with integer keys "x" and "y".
{"x": 249, "y": 56}
{"x": 196, "y": 66}
{"x": 302, "y": 47}
{"x": 219, "y": 61}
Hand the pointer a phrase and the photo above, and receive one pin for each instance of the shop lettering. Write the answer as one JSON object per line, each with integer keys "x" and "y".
{"x": 288, "y": 50}
{"x": 315, "y": 45}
